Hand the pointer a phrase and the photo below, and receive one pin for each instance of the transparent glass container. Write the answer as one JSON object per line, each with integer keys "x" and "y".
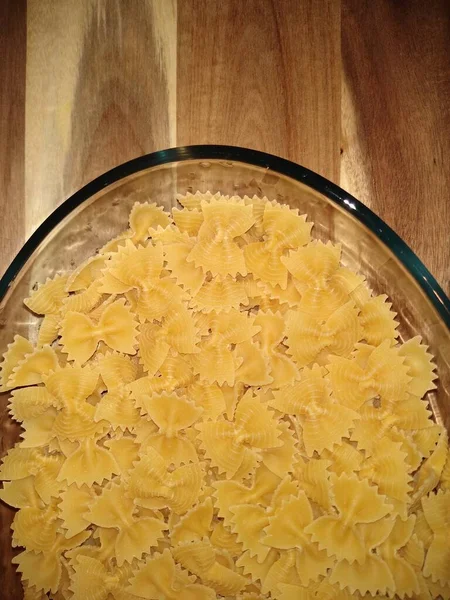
{"x": 99, "y": 212}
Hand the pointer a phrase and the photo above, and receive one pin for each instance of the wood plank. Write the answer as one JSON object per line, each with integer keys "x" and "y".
{"x": 12, "y": 127}
{"x": 107, "y": 81}
{"x": 396, "y": 119}
{"x": 13, "y": 37}
{"x": 263, "y": 74}
{"x": 100, "y": 84}
{"x": 100, "y": 91}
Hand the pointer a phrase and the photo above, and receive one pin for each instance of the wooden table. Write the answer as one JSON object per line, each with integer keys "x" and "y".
{"x": 357, "y": 90}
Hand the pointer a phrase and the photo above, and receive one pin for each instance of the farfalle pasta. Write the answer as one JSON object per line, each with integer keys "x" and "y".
{"x": 215, "y": 406}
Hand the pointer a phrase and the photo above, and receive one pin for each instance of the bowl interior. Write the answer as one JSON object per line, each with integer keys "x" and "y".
{"x": 105, "y": 215}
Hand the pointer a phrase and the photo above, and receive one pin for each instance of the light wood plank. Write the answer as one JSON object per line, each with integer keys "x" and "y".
{"x": 100, "y": 91}
{"x": 107, "y": 81}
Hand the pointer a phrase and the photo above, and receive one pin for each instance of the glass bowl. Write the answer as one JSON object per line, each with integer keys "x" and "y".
{"x": 99, "y": 212}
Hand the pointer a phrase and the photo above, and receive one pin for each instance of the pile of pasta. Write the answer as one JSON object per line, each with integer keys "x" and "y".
{"x": 214, "y": 407}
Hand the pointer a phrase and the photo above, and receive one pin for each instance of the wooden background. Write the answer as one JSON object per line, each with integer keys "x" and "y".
{"x": 357, "y": 90}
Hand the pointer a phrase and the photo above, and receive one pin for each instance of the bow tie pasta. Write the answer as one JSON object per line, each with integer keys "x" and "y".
{"x": 215, "y": 407}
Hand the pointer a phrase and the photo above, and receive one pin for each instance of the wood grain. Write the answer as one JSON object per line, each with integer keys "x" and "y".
{"x": 13, "y": 33}
{"x": 263, "y": 74}
{"x": 99, "y": 92}
{"x": 396, "y": 119}
{"x": 116, "y": 80}
{"x": 357, "y": 90}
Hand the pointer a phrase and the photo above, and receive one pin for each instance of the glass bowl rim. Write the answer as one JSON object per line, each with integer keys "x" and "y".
{"x": 276, "y": 164}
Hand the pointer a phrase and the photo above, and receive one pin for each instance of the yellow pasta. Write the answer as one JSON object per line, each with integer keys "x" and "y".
{"x": 215, "y": 361}
{"x": 356, "y": 502}
{"x": 200, "y": 558}
{"x": 116, "y": 327}
{"x": 343, "y": 458}
{"x": 78, "y": 424}
{"x": 43, "y": 570}
{"x": 15, "y": 353}
{"x": 387, "y": 468}
{"x": 177, "y": 330}
{"x": 257, "y": 571}
{"x": 420, "y": 366}
{"x": 437, "y": 590}
{"x": 427, "y": 477}
{"x": 384, "y": 374}
{"x": 34, "y": 367}
{"x": 215, "y": 249}
{"x": 231, "y": 493}
{"x": 309, "y": 340}
{"x": 125, "y": 451}
{"x": 314, "y": 264}
{"x": 118, "y": 409}
{"x": 154, "y": 486}
{"x": 309, "y": 400}
{"x": 405, "y": 579}
{"x": 290, "y": 296}
{"x": 282, "y": 369}
{"x": 30, "y": 402}
{"x": 314, "y": 478}
{"x": 223, "y": 538}
{"x": 38, "y": 431}
{"x": 188, "y": 221}
{"x": 48, "y": 297}
{"x": 190, "y": 200}
{"x": 88, "y": 464}
{"x": 137, "y": 272}
{"x": 74, "y": 504}
{"x": 116, "y": 370}
{"x": 287, "y": 531}
{"x": 172, "y": 415}
{"x": 427, "y": 438}
{"x": 408, "y": 446}
{"x": 436, "y": 508}
{"x": 283, "y": 229}
{"x": 134, "y": 266}
{"x": 21, "y": 493}
{"x": 87, "y": 273}
{"x": 378, "y": 321}
{"x": 30, "y": 593}
{"x": 219, "y": 294}
{"x": 49, "y": 330}
{"x": 84, "y": 301}
{"x": 214, "y": 406}
{"x": 186, "y": 273}
{"x": 91, "y": 578}
{"x": 209, "y": 398}
{"x": 195, "y": 524}
{"x": 160, "y": 575}
{"x": 372, "y": 578}
{"x": 282, "y": 571}
{"x": 253, "y": 366}
{"x": 136, "y": 535}
{"x": 144, "y": 216}
{"x": 247, "y": 523}
{"x": 227, "y": 443}
{"x": 281, "y": 460}
{"x": 35, "y": 528}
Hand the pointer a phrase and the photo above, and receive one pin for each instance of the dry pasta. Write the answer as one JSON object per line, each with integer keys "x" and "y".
{"x": 216, "y": 408}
